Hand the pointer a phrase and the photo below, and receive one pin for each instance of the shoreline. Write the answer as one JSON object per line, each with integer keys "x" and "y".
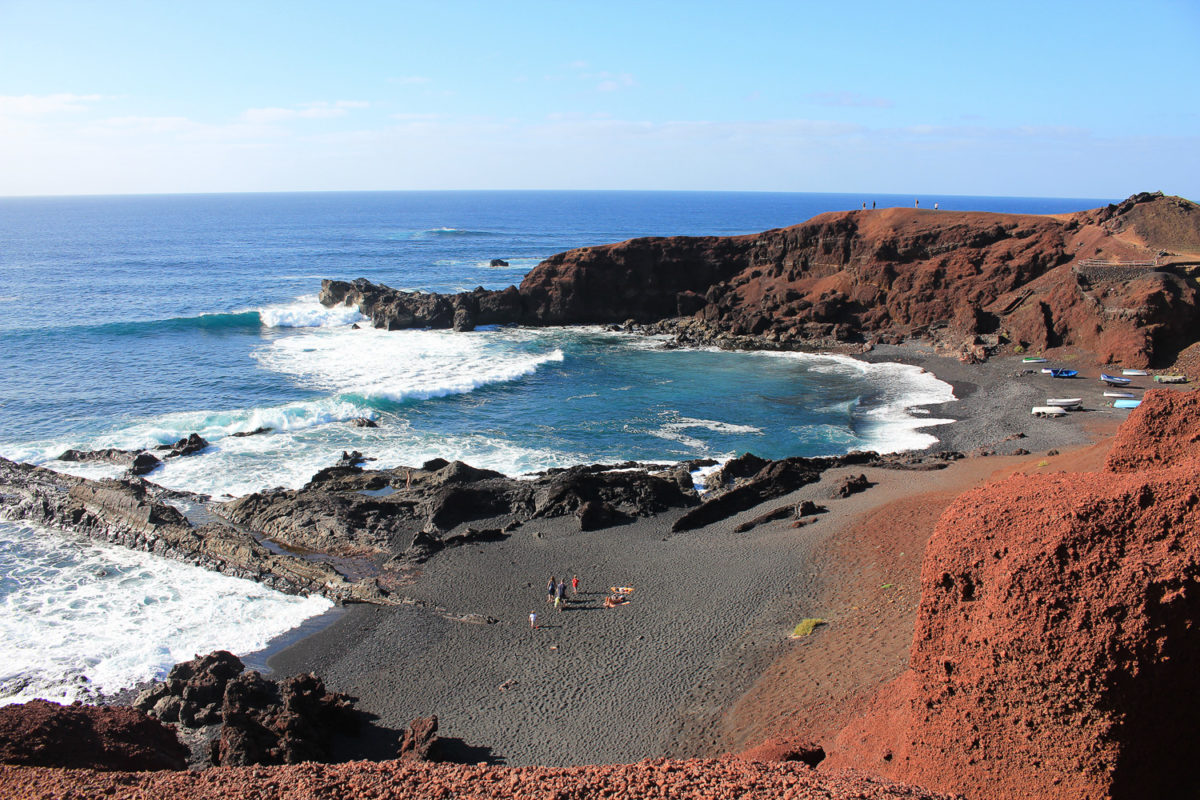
{"x": 975, "y": 427}
{"x": 710, "y": 614}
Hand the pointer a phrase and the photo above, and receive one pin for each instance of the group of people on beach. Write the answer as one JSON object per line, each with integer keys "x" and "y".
{"x": 556, "y": 593}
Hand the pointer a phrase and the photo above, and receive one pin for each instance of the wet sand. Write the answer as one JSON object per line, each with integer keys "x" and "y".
{"x": 700, "y": 662}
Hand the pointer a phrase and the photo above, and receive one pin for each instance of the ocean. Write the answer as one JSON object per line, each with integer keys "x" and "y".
{"x": 134, "y": 321}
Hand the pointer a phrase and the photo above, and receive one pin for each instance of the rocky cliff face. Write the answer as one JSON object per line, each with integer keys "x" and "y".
{"x": 858, "y": 275}
{"x": 1055, "y": 652}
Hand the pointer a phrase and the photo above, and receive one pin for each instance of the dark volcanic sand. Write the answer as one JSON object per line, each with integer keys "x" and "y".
{"x": 711, "y": 612}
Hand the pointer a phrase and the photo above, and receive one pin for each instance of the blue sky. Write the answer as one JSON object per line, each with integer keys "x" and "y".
{"x": 1073, "y": 99}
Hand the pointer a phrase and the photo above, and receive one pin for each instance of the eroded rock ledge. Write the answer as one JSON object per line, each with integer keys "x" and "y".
{"x": 139, "y": 515}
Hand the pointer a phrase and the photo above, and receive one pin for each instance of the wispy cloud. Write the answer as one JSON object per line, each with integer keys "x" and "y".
{"x": 37, "y": 105}
{"x": 150, "y": 125}
{"x": 847, "y": 100}
{"x": 611, "y": 83}
{"x": 603, "y": 80}
{"x": 573, "y": 116}
{"x": 318, "y": 110}
{"x": 995, "y": 133}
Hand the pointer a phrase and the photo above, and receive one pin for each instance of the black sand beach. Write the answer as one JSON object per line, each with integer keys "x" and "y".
{"x": 711, "y": 608}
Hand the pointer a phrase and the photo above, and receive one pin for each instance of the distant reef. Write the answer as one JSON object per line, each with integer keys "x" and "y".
{"x": 1118, "y": 282}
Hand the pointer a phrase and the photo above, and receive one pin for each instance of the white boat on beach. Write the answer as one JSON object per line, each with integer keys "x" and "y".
{"x": 1122, "y": 395}
{"x": 1049, "y": 411}
{"x": 1065, "y": 402}
{"x": 1135, "y": 372}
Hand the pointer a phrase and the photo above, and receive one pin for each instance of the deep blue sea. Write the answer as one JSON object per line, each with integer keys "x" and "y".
{"x": 134, "y": 321}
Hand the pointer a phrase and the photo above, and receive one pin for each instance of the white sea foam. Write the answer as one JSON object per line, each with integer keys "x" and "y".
{"x": 674, "y": 431}
{"x": 357, "y": 370}
{"x": 700, "y": 475}
{"x": 214, "y": 426}
{"x": 255, "y": 463}
{"x": 400, "y": 365}
{"x": 887, "y": 424}
{"x": 306, "y": 312}
{"x": 79, "y": 617}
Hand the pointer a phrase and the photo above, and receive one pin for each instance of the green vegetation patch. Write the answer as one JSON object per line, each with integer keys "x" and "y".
{"x": 806, "y": 627}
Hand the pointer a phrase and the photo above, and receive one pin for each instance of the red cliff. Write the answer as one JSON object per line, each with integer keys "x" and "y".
{"x": 1055, "y": 653}
{"x": 1111, "y": 281}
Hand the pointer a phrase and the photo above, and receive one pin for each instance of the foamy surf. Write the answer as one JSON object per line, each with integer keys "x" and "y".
{"x": 80, "y": 618}
{"x": 399, "y": 366}
{"x": 307, "y": 312}
{"x": 886, "y": 423}
{"x": 675, "y": 431}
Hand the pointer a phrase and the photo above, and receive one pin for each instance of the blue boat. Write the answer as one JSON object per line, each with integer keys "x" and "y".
{"x": 1113, "y": 380}
{"x": 1063, "y": 373}
{"x": 1126, "y": 403}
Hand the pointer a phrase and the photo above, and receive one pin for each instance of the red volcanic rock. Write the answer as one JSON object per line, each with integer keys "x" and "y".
{"x": 640, "y": 279}
{"x": 1164, "y": 429}
{"x": 779, "y": 750}
{"x": 396, "y": 780}
{"x": 843, "y": 276}
{"x": 1055, "y": 652}
{"x": 419, "y": 739}
{"x": 39, "y": 733}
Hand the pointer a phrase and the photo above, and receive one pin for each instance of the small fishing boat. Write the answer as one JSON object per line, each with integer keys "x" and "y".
{"x": 1126, "y": 403}
{"x": 1137, "y": 373}
{"x": 1124, "y": 395}
{"x": 1065, "y": 402}
{"x": 1113, "y": 380}
{"x": 1049, "y": 411}
{"x": 1170, "y": 378}
{"x": 1033, "y": 360}
{"x": 1063, "y": 373}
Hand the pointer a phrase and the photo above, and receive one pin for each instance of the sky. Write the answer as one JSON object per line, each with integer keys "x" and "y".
{"x": 1057, "y": 99}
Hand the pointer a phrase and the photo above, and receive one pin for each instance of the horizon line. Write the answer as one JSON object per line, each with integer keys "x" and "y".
{"x": 915, "y": 195}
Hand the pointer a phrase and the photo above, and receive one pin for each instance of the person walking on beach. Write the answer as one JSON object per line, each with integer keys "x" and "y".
{"x": 551, "y": 586}
{"x": 533, "y": 620}
{"x": 560, "y": 597}
{"x": 574, "y": 585}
